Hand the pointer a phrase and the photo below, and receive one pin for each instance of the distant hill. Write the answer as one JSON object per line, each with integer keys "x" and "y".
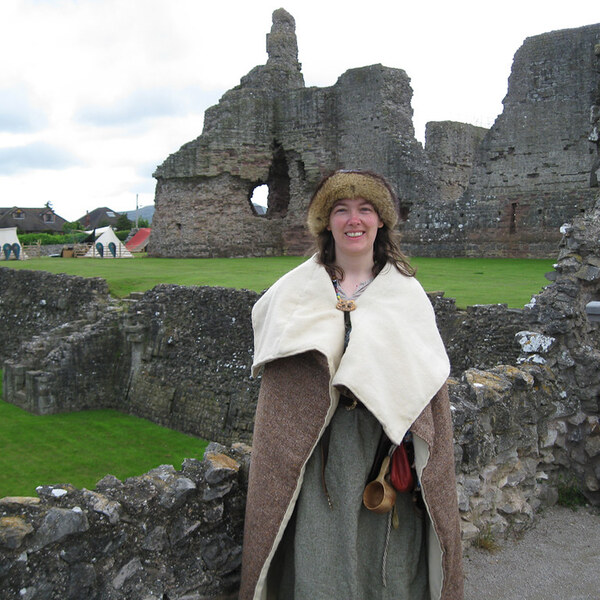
{"x": 147, "y": 212}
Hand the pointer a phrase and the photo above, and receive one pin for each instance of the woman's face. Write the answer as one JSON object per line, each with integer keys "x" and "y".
{"x": 354, "y": 222}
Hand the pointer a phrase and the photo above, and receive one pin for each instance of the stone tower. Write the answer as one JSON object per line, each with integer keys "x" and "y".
{"x": 534, "y": 170}
{"x": 273, "y": 130}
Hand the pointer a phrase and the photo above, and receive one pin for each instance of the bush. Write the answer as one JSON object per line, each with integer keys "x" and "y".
{"x": 72, "y": 227}
{"x": 122, "y": 235}
{"x": 569, "y": 493}
{"x": 45, "y": 239}
{"x": 123, "y": 223}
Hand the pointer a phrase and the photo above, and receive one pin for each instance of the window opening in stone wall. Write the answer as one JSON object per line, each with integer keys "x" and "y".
{"x": 271, "y": 199}
{"x": 513, "y": 218}
{"x": 259, "y": 199}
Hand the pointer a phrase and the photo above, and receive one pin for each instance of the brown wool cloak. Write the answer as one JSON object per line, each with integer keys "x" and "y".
{"x": 298, "y": 397}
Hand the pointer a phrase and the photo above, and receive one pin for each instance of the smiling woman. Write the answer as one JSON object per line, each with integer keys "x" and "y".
{"x": 337, "y": 338}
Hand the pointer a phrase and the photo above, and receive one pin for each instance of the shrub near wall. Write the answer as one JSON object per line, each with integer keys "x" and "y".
{"x": 46, "y": 239}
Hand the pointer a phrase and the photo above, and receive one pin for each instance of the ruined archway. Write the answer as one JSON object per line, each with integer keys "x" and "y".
{"x": 278, "y": 184}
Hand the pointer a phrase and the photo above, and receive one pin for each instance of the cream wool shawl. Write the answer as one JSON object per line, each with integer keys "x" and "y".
{"x": 395, "y": 361}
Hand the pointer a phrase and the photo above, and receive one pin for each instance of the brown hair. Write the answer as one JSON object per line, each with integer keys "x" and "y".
{"x": 385, "y": 249}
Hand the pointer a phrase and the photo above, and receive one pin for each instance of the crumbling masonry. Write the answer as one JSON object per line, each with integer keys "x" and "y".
{"x": 469, "y": 192}
{"x": 525, "y": 393}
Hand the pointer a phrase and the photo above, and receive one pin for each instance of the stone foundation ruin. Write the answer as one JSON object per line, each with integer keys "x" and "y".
{"x": 525, "y": 385}
{"x": 525, "y": 392}
{"x": 469, "y": 192}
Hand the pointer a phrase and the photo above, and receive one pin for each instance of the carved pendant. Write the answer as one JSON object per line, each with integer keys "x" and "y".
{"x": 345, "y": 305}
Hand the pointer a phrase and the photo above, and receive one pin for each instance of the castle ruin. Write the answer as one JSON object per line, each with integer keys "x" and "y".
{"x": 470, "y": 191}
{"x": 525, "y": 393}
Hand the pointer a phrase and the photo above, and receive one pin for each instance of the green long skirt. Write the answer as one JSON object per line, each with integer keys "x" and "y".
{"x": 344, "y": 552}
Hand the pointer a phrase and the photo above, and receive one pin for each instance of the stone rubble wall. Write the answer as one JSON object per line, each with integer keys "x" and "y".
{"x": 178, "y": 534}
{"x": 534, "y": 169}
{"x": 181, "y": 356}
{"x": 522, "y": 425}
{"x": 191, "y": 351}
{"x": 563, "y": 339}
{"x": 34, "y": 302}
{"x": 35, "y": 250}
{"x": 452, "y": 148}
{"x": 482, "y": 336}
{"x": 273, "y": 130}
{"x": 165, "y": 534}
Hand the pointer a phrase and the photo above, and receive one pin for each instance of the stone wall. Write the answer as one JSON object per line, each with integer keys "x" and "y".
{"x": 165, "y": 534}
{"x": 565, "y": 341}
{"x": 451, "y": 148}
{"x": 178, "y": 356}
{"x": 272, "y": 130}
{"x": 534, "y": 169}
{"x": 191, "y": 354}
{"x": 35, "y": 250}
{"x": 181, "y": 356}
{"x": 471, "y": 192}
{"x": 34, "y": 302}
{"x": 520, "y": 428}
{"x": 481, "y": 336}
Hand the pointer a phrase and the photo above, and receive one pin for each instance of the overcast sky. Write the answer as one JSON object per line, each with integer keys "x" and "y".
{"x": 94, "y": 94}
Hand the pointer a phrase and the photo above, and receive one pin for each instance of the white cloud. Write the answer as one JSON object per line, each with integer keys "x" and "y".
{"x": 146, "y": 104}
{"x": 118, "y": 85}
{"x": 37, "y": 155}
{"x": 20, "y": 113}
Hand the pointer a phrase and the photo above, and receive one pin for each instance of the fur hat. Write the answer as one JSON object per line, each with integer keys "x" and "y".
{"x": 351, "y": 184}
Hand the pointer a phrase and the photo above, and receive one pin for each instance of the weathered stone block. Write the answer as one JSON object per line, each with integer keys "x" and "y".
{"x": 58, "y": 524}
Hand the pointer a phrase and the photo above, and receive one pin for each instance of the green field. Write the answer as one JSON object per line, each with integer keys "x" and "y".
{"x": 469, "y": 280}
{"x": 80, "y": 448}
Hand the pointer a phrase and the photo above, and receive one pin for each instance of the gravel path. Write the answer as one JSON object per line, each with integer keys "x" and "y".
{"x": 559, "y": 559}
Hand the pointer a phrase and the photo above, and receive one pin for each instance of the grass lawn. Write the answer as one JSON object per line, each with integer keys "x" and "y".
{"x": 472, "y": 281}
{"x": 469, "y": 280}
{"x": 81, "y": 448}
